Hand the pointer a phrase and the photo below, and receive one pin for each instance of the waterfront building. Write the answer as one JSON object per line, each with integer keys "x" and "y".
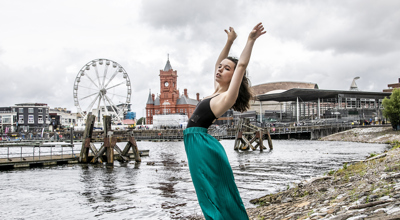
{"x": 269, "y": 109}
{"x": 298, "y": 101}
{"x": 31, "y": 116}
{"x": 392, "y": 86}
{"x": 8, "y": 119}
{"x": 169, "y": 101}
{"x": 297, "y": 105}
{"x": 61, "y": 118}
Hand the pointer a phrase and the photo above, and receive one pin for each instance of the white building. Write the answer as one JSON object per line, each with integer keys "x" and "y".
{"x": 63, "y": 117}
{"x": 8, "y": 119}
{"x": 170, "y": 121}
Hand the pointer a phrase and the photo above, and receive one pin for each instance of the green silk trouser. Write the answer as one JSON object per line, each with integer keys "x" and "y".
{"x": 212, "y": 176}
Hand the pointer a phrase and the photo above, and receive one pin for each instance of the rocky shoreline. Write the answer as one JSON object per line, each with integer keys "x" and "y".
{"x": 368, "y": 189}
{"x": 367, "y": 134}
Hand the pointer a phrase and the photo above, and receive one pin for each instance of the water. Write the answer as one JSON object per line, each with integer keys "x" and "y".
{"x": 163, "y": 190}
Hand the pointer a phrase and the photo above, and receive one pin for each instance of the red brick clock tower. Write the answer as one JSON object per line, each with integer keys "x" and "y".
{"x": 170, "y": 101}
{"x": 168, "y": 89}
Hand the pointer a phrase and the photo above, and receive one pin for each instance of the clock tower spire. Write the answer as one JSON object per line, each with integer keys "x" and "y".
{"x": 168, "y": 88}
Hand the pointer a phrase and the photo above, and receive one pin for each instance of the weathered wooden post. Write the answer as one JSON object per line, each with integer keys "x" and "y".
{"x": 72, "y": 135}
{"x": 269, "y": 140}
{"x": 247, "y": 133}
{"x": 109, "y": 140}
{"x": 132, "y": 144}
{"x": 238, "y": 134}
{"x": 87, "y": 136}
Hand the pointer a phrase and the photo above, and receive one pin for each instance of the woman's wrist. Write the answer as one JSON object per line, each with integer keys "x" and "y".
{"x": 251, "y": 39}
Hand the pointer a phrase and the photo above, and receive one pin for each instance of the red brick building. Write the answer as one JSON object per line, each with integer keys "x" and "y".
{"x": 169, "y": 101}
{"x": 392, "y": 86}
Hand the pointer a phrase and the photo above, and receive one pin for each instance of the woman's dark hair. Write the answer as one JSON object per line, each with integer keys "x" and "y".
{"x": 245, "y": 94}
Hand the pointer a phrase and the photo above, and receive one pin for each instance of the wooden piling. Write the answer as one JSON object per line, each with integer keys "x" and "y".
{"x": 110, "y": 144}
{"x": 132, "y": 144}
{"x": 247, "y": 134}
{"x": 87, "y": 136}
{"x": 109, "y": 140}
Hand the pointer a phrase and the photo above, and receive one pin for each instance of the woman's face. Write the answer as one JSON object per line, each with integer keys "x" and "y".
{"x": 225, "y": 71}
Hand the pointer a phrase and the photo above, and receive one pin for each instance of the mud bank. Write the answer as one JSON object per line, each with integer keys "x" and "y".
{"x": 368, "y": 189}
{"x": 366, "y": 135}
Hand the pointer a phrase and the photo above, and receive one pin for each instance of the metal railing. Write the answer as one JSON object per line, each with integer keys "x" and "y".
{"x": 304, "y": 129}
{"x": 35, "y": 152}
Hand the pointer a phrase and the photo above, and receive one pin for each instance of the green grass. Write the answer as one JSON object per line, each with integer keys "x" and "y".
{"x": 372, "y": 155}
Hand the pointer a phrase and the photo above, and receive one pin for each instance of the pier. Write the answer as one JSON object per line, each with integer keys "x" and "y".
{"x": 38, "y": 154}
{"x": 279, "y": 131}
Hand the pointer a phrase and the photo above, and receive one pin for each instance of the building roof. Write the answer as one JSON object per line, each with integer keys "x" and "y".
{"x": 268, "y": 87}
{"x": 157, "y": 101}
{"x": 185, "y": 100}
{"x": 314, "y": 94}
{"x": 150, "y": 99}
{"x": 31, "y": 104}
{"x": 168, "y": 66}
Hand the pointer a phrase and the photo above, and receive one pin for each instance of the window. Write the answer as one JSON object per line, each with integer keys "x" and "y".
{"x": 350, "y": 102}
{"x": 47, "y": 110}
{"x": 30, "y": 110}
{"x": 21, "y": 110}
{"x": 30, "y": 119}
{"x": 6, "y": 119}
{"x": 40, "y": 110}
{"x": 40, "y": 119}
{"x": 380, "y": 103}
{"x": 47, "y": 119}
{"x": 21, "y": 119}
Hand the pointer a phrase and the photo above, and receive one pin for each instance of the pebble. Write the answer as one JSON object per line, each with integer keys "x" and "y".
{"x": 384, "y": 198}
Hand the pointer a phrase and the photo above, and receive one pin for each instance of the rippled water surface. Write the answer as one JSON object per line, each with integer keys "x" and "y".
{"x": 163, "y": 190}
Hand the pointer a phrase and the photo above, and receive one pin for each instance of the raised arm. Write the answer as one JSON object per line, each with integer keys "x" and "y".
{"x": 244, "y": 59}
{"x": 227, "y": 99}
{"x": 225, "y": 51}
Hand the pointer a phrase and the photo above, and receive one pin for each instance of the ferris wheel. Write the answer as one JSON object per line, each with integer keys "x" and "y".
{"x": 104, "y": 84}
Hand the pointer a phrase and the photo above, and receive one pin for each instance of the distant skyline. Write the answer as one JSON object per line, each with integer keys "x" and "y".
{"x": 45, "y": 43}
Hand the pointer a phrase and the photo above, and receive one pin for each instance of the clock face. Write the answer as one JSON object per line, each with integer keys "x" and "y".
{"x": 166, "y": 84}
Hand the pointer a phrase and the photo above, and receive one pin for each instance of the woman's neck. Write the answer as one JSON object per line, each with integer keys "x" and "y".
{"x": 221, "y": 89}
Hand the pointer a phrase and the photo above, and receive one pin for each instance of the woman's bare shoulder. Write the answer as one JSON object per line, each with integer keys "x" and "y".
{"x": 212, "y": 95}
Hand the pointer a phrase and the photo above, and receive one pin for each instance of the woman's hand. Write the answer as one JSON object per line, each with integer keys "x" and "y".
{"x": 257, "y": 31}
{"x": 231, "y": 34}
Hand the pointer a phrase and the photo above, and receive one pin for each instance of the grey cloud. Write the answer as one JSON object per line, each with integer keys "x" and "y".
{"x": 193, "y": 20}
{"x": 369, "y": 27}
{"x": 178, "y": 14}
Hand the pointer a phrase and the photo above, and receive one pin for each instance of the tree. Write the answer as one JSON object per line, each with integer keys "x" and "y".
{"x": 392, "y": 108}
{"x": 139, "y": 122}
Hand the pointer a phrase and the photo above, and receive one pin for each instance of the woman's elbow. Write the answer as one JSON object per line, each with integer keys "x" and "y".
{"x": 242, "y": 65}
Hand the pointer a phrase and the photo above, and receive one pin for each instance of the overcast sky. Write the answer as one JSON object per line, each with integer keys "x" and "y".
{"x": 44, "y": 44}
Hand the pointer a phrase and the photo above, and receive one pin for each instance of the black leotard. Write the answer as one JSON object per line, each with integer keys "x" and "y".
{"x": 202, "y": 115}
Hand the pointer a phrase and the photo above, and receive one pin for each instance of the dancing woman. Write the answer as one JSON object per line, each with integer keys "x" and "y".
{"x": 209, "y": 167}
